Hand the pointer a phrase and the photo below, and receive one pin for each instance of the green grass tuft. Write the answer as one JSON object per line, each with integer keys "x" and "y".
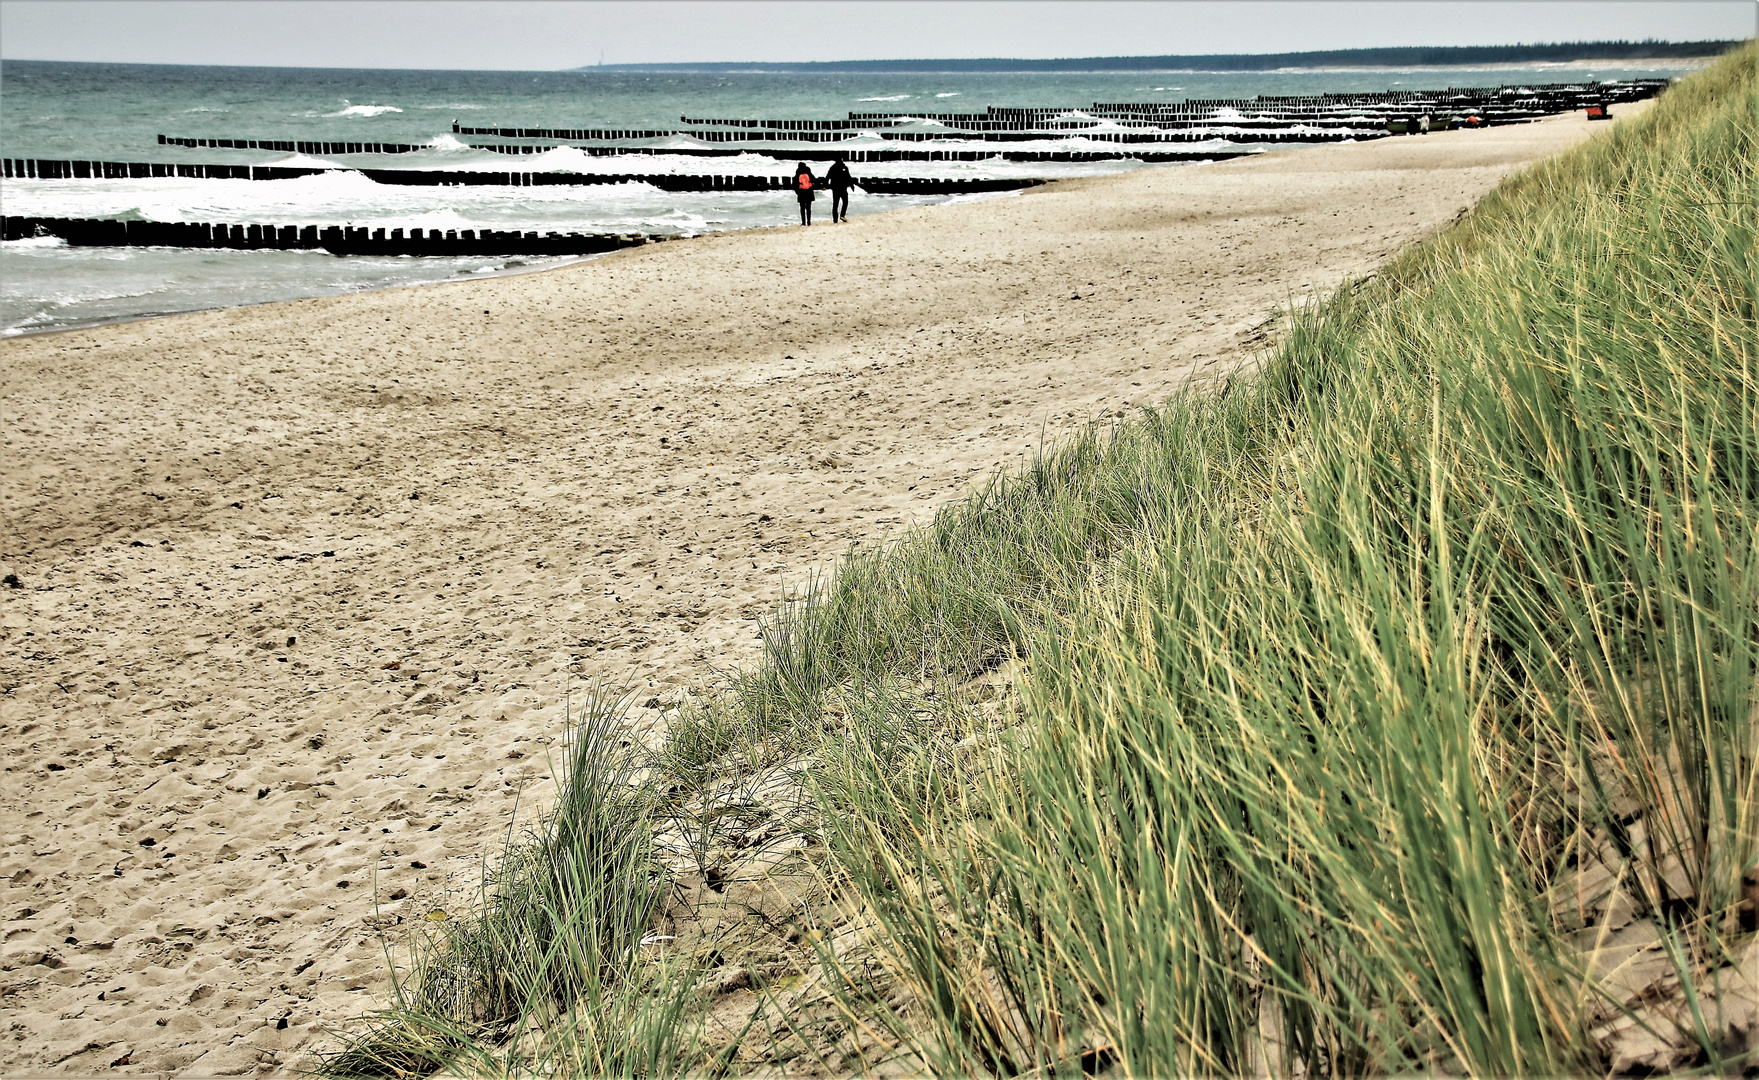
{"x": 1355, "y": 709}
{"x": 1342, "y": 681}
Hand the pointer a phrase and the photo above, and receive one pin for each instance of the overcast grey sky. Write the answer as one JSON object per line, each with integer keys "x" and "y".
{"x": 552, "y": 34}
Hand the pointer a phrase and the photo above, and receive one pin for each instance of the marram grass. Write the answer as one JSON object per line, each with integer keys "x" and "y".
{"x": 1340, "y": 680}
{"x": 1354, "y": 666}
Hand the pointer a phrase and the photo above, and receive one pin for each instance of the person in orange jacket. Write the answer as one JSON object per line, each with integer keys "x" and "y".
{"x": 804, "y": 183}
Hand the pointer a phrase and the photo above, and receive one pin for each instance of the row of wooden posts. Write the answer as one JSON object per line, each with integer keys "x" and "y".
{"x": 1244, "y": 130}
{"x": 861, "y": 157}
{"x": 42, "y": 169}
{"x": 335, "y": 239}
{"x": 1325, "y": 118}
{"x": 869, "y": 156}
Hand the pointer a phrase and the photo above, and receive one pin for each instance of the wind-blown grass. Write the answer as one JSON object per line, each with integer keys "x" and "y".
{"x": 1365, "y": 696}
{"x": 547, "y": 972}
{"x": 1375, "y": 658}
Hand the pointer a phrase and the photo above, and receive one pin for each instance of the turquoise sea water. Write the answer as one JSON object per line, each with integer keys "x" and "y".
{"x": 117, "y": 112}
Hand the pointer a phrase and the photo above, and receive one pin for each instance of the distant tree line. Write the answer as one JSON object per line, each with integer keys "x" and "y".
{"x": 1406, "y": 56}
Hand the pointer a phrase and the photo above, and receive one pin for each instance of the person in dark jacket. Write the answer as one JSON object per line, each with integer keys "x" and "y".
{"x": 840, "y": 182}
{"x": 804, "y": 183}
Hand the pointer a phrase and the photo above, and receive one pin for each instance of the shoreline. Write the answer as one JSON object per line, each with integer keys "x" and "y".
{"x": 122, "y": 320}
{"x": 563, "y": 261}
{"x": 302, "y": 585}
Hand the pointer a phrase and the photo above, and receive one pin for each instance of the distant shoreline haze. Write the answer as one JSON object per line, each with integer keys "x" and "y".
{"x": 1403, "y": 56}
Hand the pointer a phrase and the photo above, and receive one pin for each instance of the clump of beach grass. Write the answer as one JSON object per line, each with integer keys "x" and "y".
{"x": 1453, "y": 609}
{"x": 548, "y": 971}
{"x": 1349, "y": 717}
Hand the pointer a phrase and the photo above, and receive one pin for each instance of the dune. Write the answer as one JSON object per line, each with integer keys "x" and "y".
{"x": 299, "y": 593}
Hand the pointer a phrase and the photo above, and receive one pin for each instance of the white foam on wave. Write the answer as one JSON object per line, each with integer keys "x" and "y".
{"x": 628, "y": 189}
{"x": 761, "y": 161}
{"x": 568, "y": 159}
{"x": 208, "y": 109}
{"x": 675, "y": 142}
{"x": 336, "y": 195}
{"x": 345, "y": 196}
{"x": 332, "y": 195}
{"x": 333, "y": 183}
{"x": 460, "y": 105}
{"x": 1211, "y": 143}
{"x": 894, "y": 97}
{"x": 303, "y": 161}
{"x": 676, "y": 218}
{"x": 671, "y": 163}
{"x": 363, "y": 110}
{"x": 33, "y": 243}
{"x": 953, "y": 93}
{"x": 1109, "y": 127}
{"x": 450, "y": 145}
{"x": 341, "y": 196}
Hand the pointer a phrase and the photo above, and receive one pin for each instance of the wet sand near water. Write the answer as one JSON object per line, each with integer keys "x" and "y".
{"x": 302, "y": 588}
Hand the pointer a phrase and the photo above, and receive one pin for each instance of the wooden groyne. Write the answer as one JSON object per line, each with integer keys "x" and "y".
{"x": 923, "y": 185}
{"x": 868, "y": 157}
{"x": 60, "y": 169}
{"x": 1271, "y": 132}
{"x": 1274, "y": 119}
{"x": 1492, "y": 104}
{"x": 917, "y": 185}
{"x": 295, "y": 146}
{"x": 1143, "y": 131}
{"x": 335, "y": 239}
{"x": 783, "y": 125}
{"x": 40, "y": 169}
{"x": 855, "y": 157}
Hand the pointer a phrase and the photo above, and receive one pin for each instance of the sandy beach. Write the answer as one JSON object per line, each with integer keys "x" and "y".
{"x": 298, "y": 592}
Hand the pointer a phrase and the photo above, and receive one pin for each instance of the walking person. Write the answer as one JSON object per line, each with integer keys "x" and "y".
{"x": 803, "y": 190}
{"x": 840, "y": 182}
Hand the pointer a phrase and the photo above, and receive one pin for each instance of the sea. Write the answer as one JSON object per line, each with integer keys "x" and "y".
{"x": 117, "y": 112}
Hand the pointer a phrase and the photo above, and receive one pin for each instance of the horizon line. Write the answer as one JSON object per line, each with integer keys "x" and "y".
{"x": 1398, "y": 55}
{"x": 1388, "y": 56}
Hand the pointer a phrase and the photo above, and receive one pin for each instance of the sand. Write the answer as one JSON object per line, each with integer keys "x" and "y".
{"x": 303, "y": 588}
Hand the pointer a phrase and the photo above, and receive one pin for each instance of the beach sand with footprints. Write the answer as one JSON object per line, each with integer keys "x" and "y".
{"x": 297, "y": 593}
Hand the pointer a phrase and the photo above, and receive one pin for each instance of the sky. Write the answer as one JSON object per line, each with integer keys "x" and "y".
{"x": 539, "y": 35}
